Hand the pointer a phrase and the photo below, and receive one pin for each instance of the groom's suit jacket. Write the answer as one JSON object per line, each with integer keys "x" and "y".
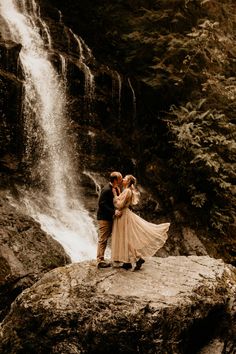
{"x": 106, "y": 207}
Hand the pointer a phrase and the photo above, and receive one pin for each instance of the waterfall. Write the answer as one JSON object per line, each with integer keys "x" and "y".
{"x": 60, "y": 16}
{"x": 117, "y": 80}
{"x": 63, "y": 68}
{"x": 134, "y": 101}
{"x": 93, "y": 179}
{"x": 49, "y": 146}
{"x": 85, "y": 52}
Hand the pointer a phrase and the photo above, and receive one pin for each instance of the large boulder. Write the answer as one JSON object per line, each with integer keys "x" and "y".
{"x": 26, "y": 253}
{"x": 172, "y": 305}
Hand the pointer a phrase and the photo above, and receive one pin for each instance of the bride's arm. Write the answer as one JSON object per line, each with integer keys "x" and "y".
{"x": 121, "y": 201}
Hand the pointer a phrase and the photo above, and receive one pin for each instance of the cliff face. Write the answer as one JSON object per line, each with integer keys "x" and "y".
{"x": 11, "y": 128}
{"x": 172, "y": 305}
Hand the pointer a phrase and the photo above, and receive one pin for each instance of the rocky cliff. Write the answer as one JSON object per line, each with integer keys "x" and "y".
{"x": 11, "y": 129}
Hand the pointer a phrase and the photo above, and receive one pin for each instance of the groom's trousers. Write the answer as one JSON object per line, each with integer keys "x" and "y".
{"x": 104, "y": 229}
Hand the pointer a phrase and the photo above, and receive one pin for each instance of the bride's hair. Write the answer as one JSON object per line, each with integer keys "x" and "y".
{"x": 135, "y": 193}
{"x": 131, "y": 179}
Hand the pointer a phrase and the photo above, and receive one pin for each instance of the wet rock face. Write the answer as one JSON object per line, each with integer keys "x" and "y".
{"x": 10, "y": 104}
{"x": 26, "y": 253}
{"x": 173, "y": 305}
{"x": 9, "y": 54}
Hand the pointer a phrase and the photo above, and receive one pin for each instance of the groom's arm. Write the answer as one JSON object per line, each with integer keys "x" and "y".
{"x": 104, "y": 201}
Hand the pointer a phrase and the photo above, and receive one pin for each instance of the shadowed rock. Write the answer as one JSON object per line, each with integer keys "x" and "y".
{"x": 165, "y": 307}
{"x": 26, "y": 253}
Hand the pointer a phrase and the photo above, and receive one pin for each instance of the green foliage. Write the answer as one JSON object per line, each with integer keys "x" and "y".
{"x": 205, "y": 140}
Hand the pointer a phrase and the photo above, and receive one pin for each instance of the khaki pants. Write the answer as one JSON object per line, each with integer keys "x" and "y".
{"x": 104, "y": 231}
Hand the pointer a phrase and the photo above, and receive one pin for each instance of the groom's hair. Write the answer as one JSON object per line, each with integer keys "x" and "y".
{"x": 114, "y": 176}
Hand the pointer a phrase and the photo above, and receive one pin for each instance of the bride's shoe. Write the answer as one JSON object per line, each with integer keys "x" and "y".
{"x": 126, "y": 266}
{"x": 139, "y": 263}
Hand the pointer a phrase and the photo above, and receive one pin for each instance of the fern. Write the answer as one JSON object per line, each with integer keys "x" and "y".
{"x": 202, "y": 138}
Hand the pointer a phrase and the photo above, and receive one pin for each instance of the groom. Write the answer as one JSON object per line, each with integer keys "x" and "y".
{"x": 105, "y": 214}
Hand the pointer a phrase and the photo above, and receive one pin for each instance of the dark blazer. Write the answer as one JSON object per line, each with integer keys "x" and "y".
{"x": 106, "y": 207}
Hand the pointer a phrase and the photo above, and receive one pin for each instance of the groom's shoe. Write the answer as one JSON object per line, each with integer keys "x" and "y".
{"x": 126, "y": 266}
{"x": 139, "y": 263}
{"x": 103, "y": 264}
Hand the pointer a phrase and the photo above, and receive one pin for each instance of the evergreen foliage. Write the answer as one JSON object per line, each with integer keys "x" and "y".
{"x": 193, "y": 55}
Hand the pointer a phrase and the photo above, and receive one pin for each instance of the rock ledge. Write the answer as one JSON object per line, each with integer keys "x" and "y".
{"x": 172, "y": 305}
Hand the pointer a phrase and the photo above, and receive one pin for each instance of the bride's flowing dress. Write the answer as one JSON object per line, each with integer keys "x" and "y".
{"x": 132, "y": 236}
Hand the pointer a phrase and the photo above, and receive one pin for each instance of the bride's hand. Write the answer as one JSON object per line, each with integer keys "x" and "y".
{"x": 118, "y": 213}
{"x": 114, "y": 192}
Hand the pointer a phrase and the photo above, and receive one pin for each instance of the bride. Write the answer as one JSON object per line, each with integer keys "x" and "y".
{"x": 133, "y": 237}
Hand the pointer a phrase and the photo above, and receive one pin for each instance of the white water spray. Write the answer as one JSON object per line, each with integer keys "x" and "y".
{"x": 56, "y": 206}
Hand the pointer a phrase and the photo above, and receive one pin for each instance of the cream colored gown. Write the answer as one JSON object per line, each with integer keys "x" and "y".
{"x": 132, "y": 236}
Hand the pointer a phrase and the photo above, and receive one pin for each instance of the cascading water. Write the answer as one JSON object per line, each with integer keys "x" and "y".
{"x": 93, "y": 179}
{"x": 134, "y": 102}
{"x": 89, "y": 78}
{"x": 117, "y": 81}
{"x": 48, "y": 144}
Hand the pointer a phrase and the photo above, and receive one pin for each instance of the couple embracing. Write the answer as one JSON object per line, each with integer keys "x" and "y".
{"x": 133, "y": 238}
